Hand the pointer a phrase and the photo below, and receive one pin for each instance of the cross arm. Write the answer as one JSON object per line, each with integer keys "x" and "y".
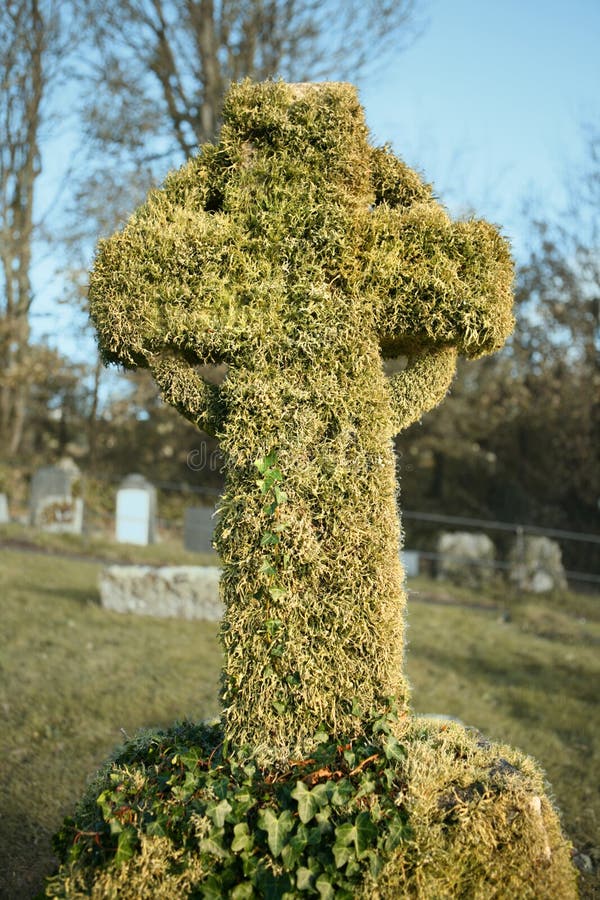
{"x": 193, "y": 396}
{"x": 421, "y": 385}
{"x": 158, "y": 292}
{"x": 437, "y": 282}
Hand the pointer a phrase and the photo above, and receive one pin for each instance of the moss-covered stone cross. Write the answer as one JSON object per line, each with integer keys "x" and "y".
{"x": 301, "y": 256}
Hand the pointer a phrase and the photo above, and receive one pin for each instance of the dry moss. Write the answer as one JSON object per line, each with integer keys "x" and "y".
{"x": 483, "y": 826}
{"x": 300, "y": 255}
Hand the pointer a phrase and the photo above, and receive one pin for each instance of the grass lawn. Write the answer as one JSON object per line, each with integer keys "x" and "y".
{"x": 523, "y": 670}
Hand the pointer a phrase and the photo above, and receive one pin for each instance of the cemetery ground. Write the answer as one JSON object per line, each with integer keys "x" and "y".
{"x": 521, "y": 668}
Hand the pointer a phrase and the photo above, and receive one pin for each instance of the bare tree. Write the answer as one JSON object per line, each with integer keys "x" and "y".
{"x": 154, "y": 73}
{"x": 559, "y": 287}
{"x": 30, "y": 52}
{"x": 163, "y": 66}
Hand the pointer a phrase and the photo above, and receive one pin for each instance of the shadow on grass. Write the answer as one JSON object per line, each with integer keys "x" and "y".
{"x": 80, "y": 596}
{"x": 26, "y": 856}
{"x": 553, "y": 678}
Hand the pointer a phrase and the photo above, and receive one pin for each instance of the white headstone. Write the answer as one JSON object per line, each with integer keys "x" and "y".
{"x": 52, "y": 505}
{"x": 136, "y": 511}
{"x": 410, "y": 562}
{"x": 198, "y": 529}
{"x": 4, "y": 515}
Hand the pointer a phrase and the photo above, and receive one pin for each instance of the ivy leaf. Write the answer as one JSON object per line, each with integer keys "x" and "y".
{"x": 356, "y": 708}
{"x": 277, "y": 592}
{"x": 393, "y": 749}
{"x": 303, "y": 879}
{"x": 308, "y": 805}
{"x": 321, "y": 793}
{"x": 397, "y": 832}
{"x": 219, "y": 812}
{"x": 325, "y": 887}
{"x": 155, "y": 829}
{"x": 280, "y": 496}
{"x": 381, "y": 725}
{"x": 342, "y": 792}
{"x": 277, "y": 828}
{"x": 191, "y": 759}
{"x": 271, "y": 886}
{"x": 375, "y": 862}
{"x": 269, "y": 539}
{"x": 242, "y": 839}
{"x": 292, "y": 851}
{"x": 127, "y": 845}
{"x": 211, "y": 888}
{"x": 213, "y": 846}
{"x": 272, "y": 476}
{"x": 366, "y": 833}
{"x": 345, "y": 834}
{"x": 342, "y": 855}
{"x": 350, "y": 758}
{"x": 243, "y": 891}
{"x": 367, "y": 786}
{"x": 265, "y": 462}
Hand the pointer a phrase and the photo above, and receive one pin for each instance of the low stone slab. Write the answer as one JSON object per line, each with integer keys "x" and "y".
{"x": 182, "y": 592}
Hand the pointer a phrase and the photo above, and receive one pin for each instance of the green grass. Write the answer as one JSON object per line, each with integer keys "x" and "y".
{"x": 73, "y": 675}
{"x": 167, "y": 552}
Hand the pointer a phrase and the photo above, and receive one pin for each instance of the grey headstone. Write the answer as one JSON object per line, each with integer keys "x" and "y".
{"x": 536, "y": 565}
{"x": 60, "y": 514}
{"x": 4, "y": 515}
{"x": 465, "y": 556}
{"x": 51, "y": 503}
{"x": 136, "y": 511}
{"x": 410, "y": 562}
{"x": 198, "y": 529}
{"x": 184, "y": 592}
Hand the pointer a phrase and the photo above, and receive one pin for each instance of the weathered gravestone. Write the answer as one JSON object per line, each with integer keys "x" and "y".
{"x": 183, "y": 592}
{"x": 199, "y": 528}
{"x": 53, "y": 505}
{"x": 466, "y": 557}
{"x": 4, "y": 514}
{"x": 300, "y": 255}
{"x": 536, "y": 565}
{"x": 136, "y": 511}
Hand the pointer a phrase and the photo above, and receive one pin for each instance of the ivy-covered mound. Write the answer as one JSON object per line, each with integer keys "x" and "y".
{"x": 440, "y": 813}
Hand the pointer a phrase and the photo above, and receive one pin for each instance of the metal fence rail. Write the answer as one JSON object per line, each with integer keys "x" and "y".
{"x": 518, "y": 529}
{"x": 490, "y": 525}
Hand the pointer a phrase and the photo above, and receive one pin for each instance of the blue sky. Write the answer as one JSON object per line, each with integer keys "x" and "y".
{"x": 488, "y": 103}
{"x": 490, "y": 100}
